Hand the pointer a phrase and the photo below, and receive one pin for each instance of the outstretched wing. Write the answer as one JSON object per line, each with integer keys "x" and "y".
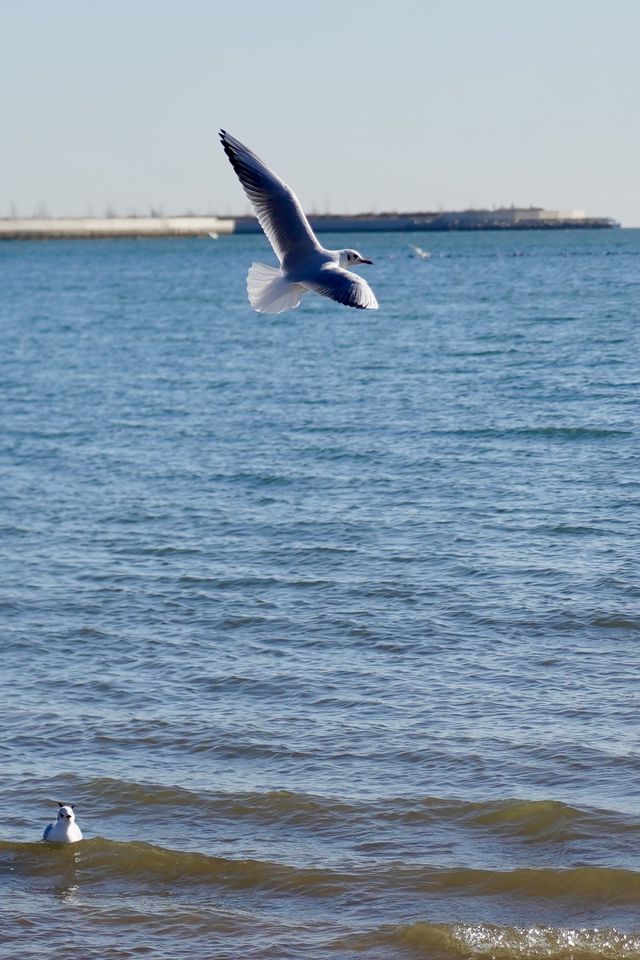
{"x": 276, "y": 205}
{"x": 342, "y": 285}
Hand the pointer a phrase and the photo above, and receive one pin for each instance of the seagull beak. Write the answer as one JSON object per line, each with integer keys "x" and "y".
{"x": 363, "y": 260}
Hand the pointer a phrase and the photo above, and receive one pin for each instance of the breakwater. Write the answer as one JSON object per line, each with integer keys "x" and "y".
{"x": 509, "y": 218}
{"x": 34, "y": 228}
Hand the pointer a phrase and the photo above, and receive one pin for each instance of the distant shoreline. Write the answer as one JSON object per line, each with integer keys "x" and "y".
{"x": 47, "y": 228}
{"x": 510, "y": 218}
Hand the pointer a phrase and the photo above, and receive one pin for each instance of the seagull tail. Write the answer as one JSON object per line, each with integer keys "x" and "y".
{"x": 270, "y": 291}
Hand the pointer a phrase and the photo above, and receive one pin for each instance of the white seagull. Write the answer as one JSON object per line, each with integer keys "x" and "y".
{"x": 304, "y": 264}
{"x": 65, "y": 829}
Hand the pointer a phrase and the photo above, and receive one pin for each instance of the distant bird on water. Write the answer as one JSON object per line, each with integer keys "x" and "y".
{"x": 304, "y": 264}
{"x": 65, "y": 829}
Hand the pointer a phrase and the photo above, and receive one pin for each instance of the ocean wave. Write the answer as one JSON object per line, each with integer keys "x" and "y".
{"x": 99, "y": 860}
{"x": 439, "y": 941}
{"x": 545, "y": 820}
{"x": 134, "y": 863}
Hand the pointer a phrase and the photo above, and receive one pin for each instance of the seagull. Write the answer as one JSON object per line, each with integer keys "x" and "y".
{"x": 65, "y": 829}
{"x": 419, "y": 252}
{"x": 305, "y": 265}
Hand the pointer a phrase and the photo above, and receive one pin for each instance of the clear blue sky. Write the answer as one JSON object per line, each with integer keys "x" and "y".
{"x": 359, "y": 104}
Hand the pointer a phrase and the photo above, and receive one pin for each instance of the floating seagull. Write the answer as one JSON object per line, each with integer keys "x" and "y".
{"x": 65, "y": 829}
{"x": 304, "y": 264}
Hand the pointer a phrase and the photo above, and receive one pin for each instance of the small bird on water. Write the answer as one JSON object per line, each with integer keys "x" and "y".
{"x": 305, "y": 265}
{"x": 65, "y": 829}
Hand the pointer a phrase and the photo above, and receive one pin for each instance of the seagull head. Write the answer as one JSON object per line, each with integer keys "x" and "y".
{"x": 65, "y": 812}
{"x": 351, "y": 258}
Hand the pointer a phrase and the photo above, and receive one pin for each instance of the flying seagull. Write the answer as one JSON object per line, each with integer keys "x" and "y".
{"x": 304, "y": 264}
{"x": 65, "y": 829}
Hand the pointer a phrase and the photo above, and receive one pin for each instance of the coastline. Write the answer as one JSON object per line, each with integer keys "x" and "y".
{"x": 35, "y": 228}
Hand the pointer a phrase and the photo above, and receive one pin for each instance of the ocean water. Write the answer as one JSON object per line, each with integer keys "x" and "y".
{"x": 327, "y": 622}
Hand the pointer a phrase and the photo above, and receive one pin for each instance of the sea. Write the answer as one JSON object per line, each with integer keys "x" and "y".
{"x": 327, "y": 622}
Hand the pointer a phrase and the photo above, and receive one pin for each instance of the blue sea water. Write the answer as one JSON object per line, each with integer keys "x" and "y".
{"x": 327, "y": 622}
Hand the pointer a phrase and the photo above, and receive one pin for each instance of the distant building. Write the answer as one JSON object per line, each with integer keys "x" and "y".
{"x": 528, "y": 214}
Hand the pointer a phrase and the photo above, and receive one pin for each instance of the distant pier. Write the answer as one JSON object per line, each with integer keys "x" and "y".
{"x": 94, "y": 227}
{"x": 507, "y": 218}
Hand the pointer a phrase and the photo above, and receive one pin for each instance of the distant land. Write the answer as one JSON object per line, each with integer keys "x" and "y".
{"x": 506, "y": 218}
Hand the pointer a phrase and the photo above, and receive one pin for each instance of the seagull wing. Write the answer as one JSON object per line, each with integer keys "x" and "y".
{"x": 342, "y": 285}
{"x": 276, "y": 205}
{"x": 47, "y": 831}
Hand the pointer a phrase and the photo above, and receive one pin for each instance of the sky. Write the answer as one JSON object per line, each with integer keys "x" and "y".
{"x": 360, "y": 105}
